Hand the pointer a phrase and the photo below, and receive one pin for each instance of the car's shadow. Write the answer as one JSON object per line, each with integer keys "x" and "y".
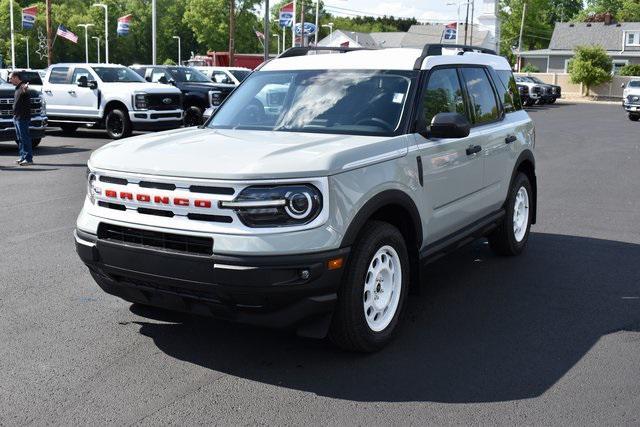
{"x": 483, "y": 329}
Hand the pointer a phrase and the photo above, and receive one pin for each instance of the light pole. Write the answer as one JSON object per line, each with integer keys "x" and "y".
{"x": 278, "y": 37}
{"x": 97, "y": 39}
{"x": 317, "y": 15}
{"x": 153, "y": 32}
{"x": 179, "y": 51}
{"x": 26, "y": 38}
{"x": 13, "y": 43}
{"x": 106, "y": 30}
{"x": 86, "y": 41}
{"x": 458, "y": 21}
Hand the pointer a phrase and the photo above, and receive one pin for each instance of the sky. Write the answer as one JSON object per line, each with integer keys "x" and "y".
{"x": 422, "y": 10}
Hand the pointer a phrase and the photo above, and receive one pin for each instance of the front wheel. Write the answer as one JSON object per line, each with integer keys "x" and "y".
{"x": 373, "y": 290}
{"x": 511, "y": 236}
{"x": 117, "y": 124}
{"x": 529, "y": 102}
{"x": 634, "y": 117}
{"x": 193, "y": 116}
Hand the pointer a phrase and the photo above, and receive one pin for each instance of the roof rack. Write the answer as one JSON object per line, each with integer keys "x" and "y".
{"x": 302, "y": 51}
{"x": 436, "y": 50}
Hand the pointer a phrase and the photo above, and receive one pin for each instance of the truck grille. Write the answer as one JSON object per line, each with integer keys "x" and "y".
{"x": 156, "y": 101}
{"x": 633, "y": 99}
{"x": 155, "y": 239}
{"x": 6, "y": 106}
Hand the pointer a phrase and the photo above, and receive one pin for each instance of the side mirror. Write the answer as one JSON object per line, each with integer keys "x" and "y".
{"x": 163, "y": 80}
{"x": 93, "y": 84}
{"x": 449, "y": 125}
{"x": 83, "y": 81}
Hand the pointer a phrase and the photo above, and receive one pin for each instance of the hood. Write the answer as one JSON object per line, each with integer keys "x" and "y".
{"x": 243, "y": 154}
{"x": 140, "y": 87}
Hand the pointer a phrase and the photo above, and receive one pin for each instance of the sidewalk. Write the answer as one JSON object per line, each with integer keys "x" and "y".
{"x": 578, "y": 99}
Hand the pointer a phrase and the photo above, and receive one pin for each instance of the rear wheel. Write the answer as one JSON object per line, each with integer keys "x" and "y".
{"x": 552, "y": 101}
{"x": 193, "y": 116}
{"x": 117, "y": 124}
{"x": 511, "y": 237}
{"x": 68, "y": 129}
{"x": 373, "y": 291}
{"x": 529, "y": 102}
{"x": 634, "y": 117}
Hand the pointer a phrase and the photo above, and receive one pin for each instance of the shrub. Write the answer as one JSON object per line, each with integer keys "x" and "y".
{"x": 590, "y": 66}
{"x": 530, "y": 68}
{"x": 630, "y": 70}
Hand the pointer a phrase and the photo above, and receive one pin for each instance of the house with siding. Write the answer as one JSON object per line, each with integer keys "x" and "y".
{"x": 620, "y": 40}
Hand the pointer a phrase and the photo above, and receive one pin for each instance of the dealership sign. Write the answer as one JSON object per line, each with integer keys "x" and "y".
{"x": 309, "y": 29}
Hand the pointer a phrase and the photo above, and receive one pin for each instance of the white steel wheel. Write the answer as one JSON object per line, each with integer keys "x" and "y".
{"x": 521, "y": 214}
{"x": 382, "y": 288}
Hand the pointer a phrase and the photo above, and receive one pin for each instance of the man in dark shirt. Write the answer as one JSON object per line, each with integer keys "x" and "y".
{"x": 22, "y": 119}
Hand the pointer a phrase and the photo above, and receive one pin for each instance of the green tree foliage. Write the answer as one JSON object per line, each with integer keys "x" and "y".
{"x": 530, "y": 68}
{"x": 564, "y": 10}
{"x": 537, "y": 26}
{"x": 630, "y": 70}
{"x": 590, "y": 66}
{"x": 622, "y": 10}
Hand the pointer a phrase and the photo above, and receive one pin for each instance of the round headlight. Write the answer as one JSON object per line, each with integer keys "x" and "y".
{"x": 298, "y": 205}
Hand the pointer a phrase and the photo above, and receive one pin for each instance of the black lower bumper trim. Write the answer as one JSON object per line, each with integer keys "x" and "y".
{"x": 162, "y": 125}
{"x": 273, "y": 291}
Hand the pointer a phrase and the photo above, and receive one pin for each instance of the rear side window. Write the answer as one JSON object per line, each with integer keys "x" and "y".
{"x": 59, "y": 75}
{"x": 443, "y": 94}
{"x": 484, "y": 108}
{"x": 508, "y": 91}
{"x": 80, "y": 72}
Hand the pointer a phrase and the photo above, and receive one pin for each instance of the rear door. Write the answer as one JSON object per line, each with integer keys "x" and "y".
{"x": 56, "y": 91}
{"x": 452, "y": 174}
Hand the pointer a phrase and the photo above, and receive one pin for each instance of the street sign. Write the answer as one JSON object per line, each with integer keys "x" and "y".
{"x": 309, "y": 29}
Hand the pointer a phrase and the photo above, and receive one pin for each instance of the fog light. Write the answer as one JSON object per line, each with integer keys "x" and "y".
{"x": 304, "y": 274}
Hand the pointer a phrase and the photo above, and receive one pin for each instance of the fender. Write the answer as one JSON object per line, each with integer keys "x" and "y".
{"x": 527, "y": 155}
{"x": 380, "y": 200}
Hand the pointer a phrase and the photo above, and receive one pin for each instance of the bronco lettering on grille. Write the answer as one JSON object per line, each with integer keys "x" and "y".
{"x": 163, "y": 200}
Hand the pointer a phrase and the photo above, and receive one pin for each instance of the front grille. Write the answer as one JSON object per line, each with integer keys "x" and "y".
{"x": 536, "y": 89}
{"x": 6, "y": 107}
{"x": 156, "y": 239}
{"x": 633, "y": 98}
{"x": 155, "y": 101}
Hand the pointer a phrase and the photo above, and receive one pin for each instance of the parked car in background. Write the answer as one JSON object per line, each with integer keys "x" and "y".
{"x": 631, "y": 99}
{"x": 523, "y": 91}
{"x": 38, "y": 114}
{"x": 198, "y": 91}
{"x": 556, "y": 91}
{"x": 32, "y": 77}
{"x": 540, "y": 93}
{"x": 109, "y": 96}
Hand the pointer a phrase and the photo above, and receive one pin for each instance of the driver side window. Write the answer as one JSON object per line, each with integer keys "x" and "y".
{"x": 80, "y": 72}
{"x": 443, "y": 94}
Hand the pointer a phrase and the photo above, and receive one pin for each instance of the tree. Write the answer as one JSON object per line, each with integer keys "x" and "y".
{"x": 530, "y": 68}
{"x": 590, "y": 66}
{"x": 630, "y": 70}
{"x": 537, "y": 28}
{"x": 564, "y": 10}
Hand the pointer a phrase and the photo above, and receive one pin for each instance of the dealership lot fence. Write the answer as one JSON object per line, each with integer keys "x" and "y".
{"x": 612, "y": 89}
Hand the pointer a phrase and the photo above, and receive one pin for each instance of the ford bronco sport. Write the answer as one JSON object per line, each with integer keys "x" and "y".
{"x": 316, "y": 212}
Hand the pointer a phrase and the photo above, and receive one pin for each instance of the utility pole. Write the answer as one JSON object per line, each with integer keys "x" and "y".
{"x": 179, "y": 50}
{"x": 473, "y": 3}
{"x": 13, "y": 42}
{"x": 302, "y": 23}
{"x": 49, "y": 33}
{"x": 153, "y": 32}
{"x": 293, "y": 26}
{"x": 524, "y": 10}
{"x": 232, "y": 31}
{"x": 266, "y": 30}
{"x": 466, "y": 24}
{"x": 317, "y": 23}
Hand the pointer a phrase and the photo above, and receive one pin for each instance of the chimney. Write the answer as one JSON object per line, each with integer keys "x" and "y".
{"x": 608, "y": 18}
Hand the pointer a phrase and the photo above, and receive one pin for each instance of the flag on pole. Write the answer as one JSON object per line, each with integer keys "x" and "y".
{"x": 449, "y": 32}
{"x": 29, "y": 17}
{"x": 123, "y": 25}
{"x": 66, "y": 34}
{"x": 286, "y": 15}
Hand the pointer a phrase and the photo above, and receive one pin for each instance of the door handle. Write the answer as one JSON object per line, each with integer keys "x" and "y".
{"x": 48, "y": 92}
{"x": 510, "y": 139}
{"x": 473, "y": 149}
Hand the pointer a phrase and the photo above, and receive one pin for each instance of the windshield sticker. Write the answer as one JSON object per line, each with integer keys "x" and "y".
{"x": 398, "y": 97}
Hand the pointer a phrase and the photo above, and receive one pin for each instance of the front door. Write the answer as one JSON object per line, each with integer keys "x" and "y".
{"x": 84, "y": 100}
{"x": 452, "y": 174}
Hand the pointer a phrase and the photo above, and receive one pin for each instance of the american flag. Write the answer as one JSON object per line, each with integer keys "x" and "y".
{"x": 66, "y": 34}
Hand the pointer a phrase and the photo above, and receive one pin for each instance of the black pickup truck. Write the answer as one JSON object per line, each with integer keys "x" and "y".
{"x": 197, "y": 89}
{"x": 38, "y": 114}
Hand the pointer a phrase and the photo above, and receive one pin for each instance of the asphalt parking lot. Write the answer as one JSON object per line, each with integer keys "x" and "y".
{"x": 550, "y": 337}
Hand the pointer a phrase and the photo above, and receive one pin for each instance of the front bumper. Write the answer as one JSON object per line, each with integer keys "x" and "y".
{"x": 37, "y": 128}
{"x": 271, "y": 291}
{"x": 156, "y": 120}
{"x": 631, "y": 108}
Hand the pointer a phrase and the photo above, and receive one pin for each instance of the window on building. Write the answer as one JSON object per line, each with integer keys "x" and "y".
{"x": 633, "y": 39}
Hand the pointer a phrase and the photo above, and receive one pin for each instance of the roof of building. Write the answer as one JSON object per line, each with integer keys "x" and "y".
{"x": 567, "y": 36}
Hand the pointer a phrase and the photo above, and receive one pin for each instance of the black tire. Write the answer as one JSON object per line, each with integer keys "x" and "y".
{"x": 68, "y": 129}
{"x": 349, "y": 327}
{"x": 552, "y": 100}
{"x": 503, "y": 240}
{"x": 529, "y": 102}
{"x": 634, "y": 117}
{"x": 117, "y": 124}
{"x": 193, "y": 116}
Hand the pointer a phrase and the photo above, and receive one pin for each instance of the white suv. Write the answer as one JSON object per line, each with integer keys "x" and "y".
{"x": 312, "y": 195}
{"x": 110, "y": 96}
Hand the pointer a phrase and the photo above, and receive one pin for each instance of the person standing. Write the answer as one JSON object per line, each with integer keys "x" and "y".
{"x": 22, "y": 118}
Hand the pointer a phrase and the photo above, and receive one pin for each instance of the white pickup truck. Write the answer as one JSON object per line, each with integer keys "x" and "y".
{"x": 107, "y": 96}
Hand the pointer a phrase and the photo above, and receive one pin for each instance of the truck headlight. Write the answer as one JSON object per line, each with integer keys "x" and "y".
{"x": 92, "y": 189}
{"x": 140, "y": 101}
{"x": 277, "y": 206}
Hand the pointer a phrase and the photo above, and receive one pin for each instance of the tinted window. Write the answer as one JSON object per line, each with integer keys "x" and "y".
{"x": 240, "y": 74}
{"x": 634, "y": 83}
{"x": 443, "y": 94}
{"x": 508, "y": 91}
{"x": 80, "y": 72}
{"x": 31, "y": 77}
{"x": 483, "y": 101}
{"x": 187, "y": 74}
{"x": 59, "y": 75}
{"x": 159, "y": 75}
{"x": 220, "y": 77}
{"x": 117, "y": 75}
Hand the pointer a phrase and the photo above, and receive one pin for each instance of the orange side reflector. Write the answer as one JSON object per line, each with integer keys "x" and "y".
{"x": 335, "y": 264}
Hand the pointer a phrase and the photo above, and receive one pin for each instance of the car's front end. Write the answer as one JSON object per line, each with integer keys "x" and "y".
{"x": 156, "y": 108}
{"x": 38, "y": 123}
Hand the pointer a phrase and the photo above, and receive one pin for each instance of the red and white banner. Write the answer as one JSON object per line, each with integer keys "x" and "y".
{"x": 123, "y": 25}
{"x": 29, "y": 17}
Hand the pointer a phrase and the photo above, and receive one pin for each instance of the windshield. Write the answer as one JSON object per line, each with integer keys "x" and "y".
{"x": 634, "y": 83}
{"x": 118, "y": 75}
{"x": 326, "y": 101}
{"x": 187, "y": 74}
{"x": 240, "y": 74}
